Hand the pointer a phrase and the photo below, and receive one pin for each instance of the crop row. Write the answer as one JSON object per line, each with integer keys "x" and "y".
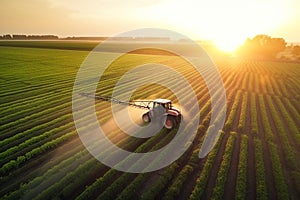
{"x": 218, "y": 191}
{"x": 286, "y": 116}
{"x": 268, "y": 134}
{"x": 32, "y": 92}
{"x": 37, "y": 151}
{"x": 23, "y": 85}
{"x": 62, "y": 166}
{"x": 12, "y": 141}
{"x": 282, "y": 132}
{"x": 253, "y": 114}
{"x": 280, "y": 183}
{"x": 14, "y": 113}
{"x": 29, "y": 121}
{"x": 233, "y": 110}
{"x": 18, "y": 104}
{"x": 174, "y": 189}
{"x": 41, "y": 94}
{"x": 34, "y": 140}
{"x": 204, "y": 176}
{"x": 241, "y": 183}
{"x": 243, "y": 113}
{"x": 261, "y": 187}
{"x": 279, "y": 179}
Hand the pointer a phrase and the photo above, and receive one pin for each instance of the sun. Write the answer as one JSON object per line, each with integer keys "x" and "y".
{"x": 227, "y": 45}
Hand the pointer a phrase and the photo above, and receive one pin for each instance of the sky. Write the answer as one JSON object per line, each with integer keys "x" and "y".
{"x": 227, "y": 23}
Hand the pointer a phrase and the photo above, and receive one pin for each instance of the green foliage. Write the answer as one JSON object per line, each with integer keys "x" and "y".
{"x": 261, "y": 187}
{"x": 218, "y": 191}
{"x": 287, "y": 115}
{"x": 233, "y": 111}
{"x": 174, "y": 190}
{"x": 241, "y": 185}
{"x": 265, "y": 119}
{"x": 253, "y": 114}
{"x": 203, "y": 178}
{"x": 280, "y": 183}
{"x": 287, "y": 149}
{"x": 296, "y": 180}
{"x": 243, "y": 114}
{"x": 119, "y": 184}
{"x": 160, "y": 183}
{"x": 37, "y": 151}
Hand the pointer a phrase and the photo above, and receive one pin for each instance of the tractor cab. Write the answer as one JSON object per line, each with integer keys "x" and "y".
{"x": 165, "y": 103}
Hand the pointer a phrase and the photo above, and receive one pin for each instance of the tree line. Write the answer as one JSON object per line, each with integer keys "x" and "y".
{"x": 28, "y": 37}
{"x": 266, "y": 47}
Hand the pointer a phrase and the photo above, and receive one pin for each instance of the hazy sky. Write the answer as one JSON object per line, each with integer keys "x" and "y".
{"x": 226, "y": 22}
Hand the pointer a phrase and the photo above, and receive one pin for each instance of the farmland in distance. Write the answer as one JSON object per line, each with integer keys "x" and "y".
{"x": 42, "y": 157}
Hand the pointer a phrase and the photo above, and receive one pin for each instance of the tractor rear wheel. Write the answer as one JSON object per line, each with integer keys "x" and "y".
{"x": 170, "y": 122}
{"x": 146, "y": 118}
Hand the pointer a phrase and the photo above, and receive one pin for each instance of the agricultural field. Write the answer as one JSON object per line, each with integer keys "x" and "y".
{"x": 42, "y": 156}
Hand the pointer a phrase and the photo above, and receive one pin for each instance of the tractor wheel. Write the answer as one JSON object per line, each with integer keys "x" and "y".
{"x": 170, "y": 123}
{"x": 146, "y": 118}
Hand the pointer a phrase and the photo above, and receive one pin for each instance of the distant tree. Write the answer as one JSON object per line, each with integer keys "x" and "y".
{"x": 29, "y": 37}
{"x": 42, "y": 37}
{"x": 263, "y": 46}
{"x": 7, "y": 37}
{"x": 19, "y": 37}
{"x": 296, "y": 50}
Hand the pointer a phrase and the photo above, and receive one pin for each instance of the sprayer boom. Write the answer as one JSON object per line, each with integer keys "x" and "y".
{"x": 144, "y": 104}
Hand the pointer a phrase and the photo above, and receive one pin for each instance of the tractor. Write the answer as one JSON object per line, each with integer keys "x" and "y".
{"x": 159, "y": 110}
{"x": 163, "y": 111}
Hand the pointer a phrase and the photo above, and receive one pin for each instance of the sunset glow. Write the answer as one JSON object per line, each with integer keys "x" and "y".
{"x": 227, "y": 23}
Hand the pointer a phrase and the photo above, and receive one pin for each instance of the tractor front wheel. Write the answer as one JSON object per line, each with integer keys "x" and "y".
{"x": 170, "y": 123}
{"x": 146, "y": 118}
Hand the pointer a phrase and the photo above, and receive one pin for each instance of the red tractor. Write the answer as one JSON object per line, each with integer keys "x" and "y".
{"x": 163, "y": 111}
{"x": 160, "y": 110}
